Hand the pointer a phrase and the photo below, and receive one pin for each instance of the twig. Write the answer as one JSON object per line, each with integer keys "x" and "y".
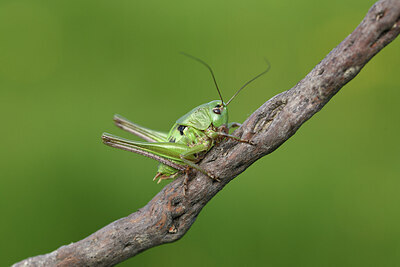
{"x": 169, "y": 215}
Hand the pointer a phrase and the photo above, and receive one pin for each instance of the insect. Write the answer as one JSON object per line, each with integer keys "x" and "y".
{"x": 189, "y": 139}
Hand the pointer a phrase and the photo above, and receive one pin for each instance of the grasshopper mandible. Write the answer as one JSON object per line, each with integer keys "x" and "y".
{"x": 189, "y": 139}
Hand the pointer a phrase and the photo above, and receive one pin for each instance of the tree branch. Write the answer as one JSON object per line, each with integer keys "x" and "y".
{"x": 170, "y": 214}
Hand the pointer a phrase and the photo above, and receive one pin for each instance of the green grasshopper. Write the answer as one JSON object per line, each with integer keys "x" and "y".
{"x": 189, "y": 139}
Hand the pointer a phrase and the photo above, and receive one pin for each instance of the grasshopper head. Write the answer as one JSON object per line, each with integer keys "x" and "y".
{"x": 218, "y": 113}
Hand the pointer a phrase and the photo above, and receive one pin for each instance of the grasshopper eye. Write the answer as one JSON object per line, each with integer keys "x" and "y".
{"x": 216, "y": 110}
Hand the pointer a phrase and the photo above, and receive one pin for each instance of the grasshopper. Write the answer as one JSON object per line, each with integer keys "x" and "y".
{"x": 189, "y": 139}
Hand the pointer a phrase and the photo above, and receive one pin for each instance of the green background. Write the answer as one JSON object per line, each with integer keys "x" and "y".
{"x": 328, "y": 197}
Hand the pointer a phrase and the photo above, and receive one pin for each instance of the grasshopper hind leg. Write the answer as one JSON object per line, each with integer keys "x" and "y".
{"x": 195, "y": 166}
{"x": 193, "y": 151}
{"x": 160, "y": 176}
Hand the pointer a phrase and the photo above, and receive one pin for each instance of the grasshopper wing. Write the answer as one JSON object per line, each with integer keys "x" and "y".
{"x": 142, "y": 132}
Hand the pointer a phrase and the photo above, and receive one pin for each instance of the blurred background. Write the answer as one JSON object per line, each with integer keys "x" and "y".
{"x": 328, "y": 197}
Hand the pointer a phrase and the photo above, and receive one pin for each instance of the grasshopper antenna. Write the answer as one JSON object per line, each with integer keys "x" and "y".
{"x": 209, "y": 68}
{"x": 259, "y": 75}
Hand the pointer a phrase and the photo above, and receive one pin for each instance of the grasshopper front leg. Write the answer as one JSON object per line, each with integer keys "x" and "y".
{"x": 223, "y": 131}
{"x": 222, "y": 134}
{"x": 234, "y": 125}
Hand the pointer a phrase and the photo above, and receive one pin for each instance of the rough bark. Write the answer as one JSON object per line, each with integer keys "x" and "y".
{"x": 170, "y": 214}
